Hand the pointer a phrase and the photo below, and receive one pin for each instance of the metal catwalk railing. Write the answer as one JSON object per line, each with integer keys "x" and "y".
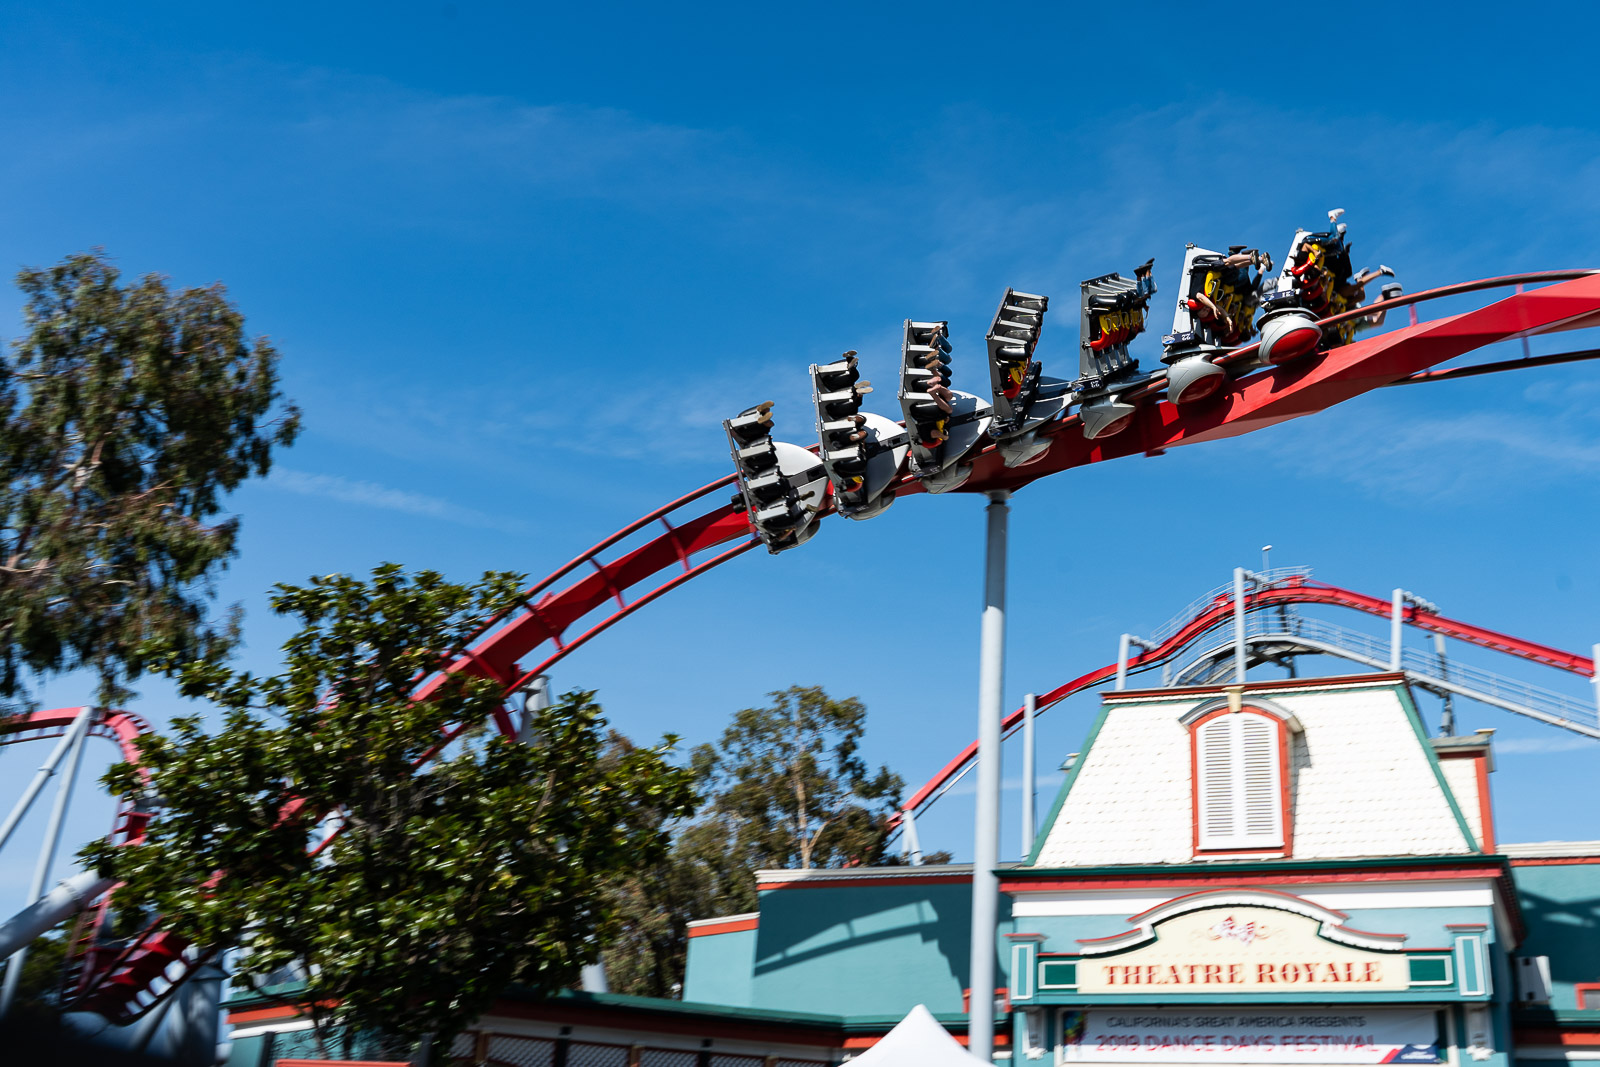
{"x": 1224, "y": 594}
{"x": 1423, "y": 667}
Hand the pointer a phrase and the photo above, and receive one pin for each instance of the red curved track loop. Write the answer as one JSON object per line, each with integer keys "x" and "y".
{"x": 1260, "y": 399}
{"x": 90, "y": 964}
{"x": 123, "y": 727}
{"x": 1220, "y": 610}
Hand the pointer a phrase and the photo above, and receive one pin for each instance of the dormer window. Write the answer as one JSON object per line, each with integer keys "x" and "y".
{"x": 1240, "y": 774}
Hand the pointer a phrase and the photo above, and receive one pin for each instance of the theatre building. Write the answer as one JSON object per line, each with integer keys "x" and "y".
{"x": 1285, "y": 872}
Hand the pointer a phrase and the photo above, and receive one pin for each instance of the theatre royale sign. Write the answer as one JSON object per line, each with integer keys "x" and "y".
{"x": 1243, "y": 950}
{"x": 1260, "y": 946}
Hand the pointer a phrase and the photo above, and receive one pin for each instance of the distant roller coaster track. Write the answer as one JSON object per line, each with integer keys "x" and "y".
{"x": 544, "y": 624}
{"x": 1219, "y": 610}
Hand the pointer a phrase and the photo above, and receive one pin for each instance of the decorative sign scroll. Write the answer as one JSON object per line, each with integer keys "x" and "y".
{"x": 1243, "y": 949}
{"x": 1252, "y": 1035}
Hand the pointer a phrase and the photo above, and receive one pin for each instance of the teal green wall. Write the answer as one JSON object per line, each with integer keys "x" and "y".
{"x": 247, "y": 1052}
{"x": 867, "y": 950}
{"x": 720, "y": 969}
{"x": 1561, "y": 905}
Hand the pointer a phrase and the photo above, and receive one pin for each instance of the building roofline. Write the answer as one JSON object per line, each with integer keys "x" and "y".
{"x": 1375, "y": 680}
{"x": 659, "y": 1007}
{"x": 818, "y": 1024}
{"x": 743, "y": 916}
{"x": 1551, "y": 850}
{"x": 1216, "y": 867}
{"x": 679, "y": 1008}
{"x": 795, "y": 876}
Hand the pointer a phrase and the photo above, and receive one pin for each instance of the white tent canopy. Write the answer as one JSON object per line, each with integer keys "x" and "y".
{"x": 917, "y": 1041}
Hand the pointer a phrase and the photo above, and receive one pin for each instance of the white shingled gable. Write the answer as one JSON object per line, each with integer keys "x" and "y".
{"x": 1362, "y": 783}
{"x": 1462, "y": 777}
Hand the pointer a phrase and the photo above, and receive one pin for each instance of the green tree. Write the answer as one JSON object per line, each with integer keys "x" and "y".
{"x": 39, "y": 991}
{"x": 785, "y": 787}
{"x": 452, "y": 877}
{"x": 790, "y": 779}
{"x": 701, "y": 877}
{"x": 125, "y": 415}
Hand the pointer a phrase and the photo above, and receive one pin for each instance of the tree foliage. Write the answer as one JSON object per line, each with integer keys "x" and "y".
{"x": 791, "y": 781}
{"x": 785, "y": 787}
{"x": 126, "y": 412}
{"x": 39, "y": 990}
{"x": 451, "y": 878}
{"x": 701, "y": 877}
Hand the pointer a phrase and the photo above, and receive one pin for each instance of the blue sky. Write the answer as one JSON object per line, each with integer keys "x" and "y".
{"x": 521, "y": 260}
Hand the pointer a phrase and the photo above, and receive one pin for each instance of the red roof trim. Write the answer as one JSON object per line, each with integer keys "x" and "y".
{"x": 1234, "y": 880}
{"x": 844, "y": 883}
{"x": 570, "y": 1012}
{"x": 1001, "y": 1040}
{"x": 732, "y": 926}
{"x": 1553, "y": 861}
{"x": 1544, "y": 1036}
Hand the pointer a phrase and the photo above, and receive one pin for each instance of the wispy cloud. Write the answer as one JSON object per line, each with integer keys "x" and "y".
{"x": 1533, "y": 746}
{"x": 373, "y": 495}
{"x": 1396, "y": 452}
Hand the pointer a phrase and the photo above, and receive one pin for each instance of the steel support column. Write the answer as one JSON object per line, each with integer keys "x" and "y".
{"x": 1030, "y": 708}
{"x": 535, "y": 698}
{"x": 986, "y": 832}
{"x": 1122, "y": 661}
{"x": 1238, "y": 625}
{"x": 47, "y": 851}
{"x": 912, "y": 846}
{"x": 1397, "y": 614}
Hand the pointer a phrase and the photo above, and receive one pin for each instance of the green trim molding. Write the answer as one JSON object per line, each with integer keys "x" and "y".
{"x": 1066, "y": 785}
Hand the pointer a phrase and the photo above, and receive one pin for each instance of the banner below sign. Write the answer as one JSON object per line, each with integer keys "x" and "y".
{"x": 1253, "y": 1035}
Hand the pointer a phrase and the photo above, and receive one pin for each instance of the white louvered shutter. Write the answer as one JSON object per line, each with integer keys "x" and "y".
{"x": 1261, "y": 803}
{"x": 1240, "y": 787}
{"x": 1216, "y": 808}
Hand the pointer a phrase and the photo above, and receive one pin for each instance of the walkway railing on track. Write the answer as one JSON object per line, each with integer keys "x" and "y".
{"x": 1270, "y": 612}
{"x": 1425, "y": 669}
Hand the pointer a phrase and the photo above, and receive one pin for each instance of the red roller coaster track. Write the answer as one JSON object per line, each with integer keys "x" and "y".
{"x": 1257, "y": 400}
{"x": 544, "y": 619}
{"x": 1220, "y": 610}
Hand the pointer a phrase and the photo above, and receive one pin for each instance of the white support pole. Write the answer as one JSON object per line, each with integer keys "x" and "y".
{"x": 1030, "y": 708}
{"x": 1595, "y": 652}
{"x": 913, "y": 845}
{"x": 986, "y": 832}
{"x": 535, "y": 698}
{"x": 1397, "y": 614}
{"x": 592, "y": 979}
{"x": 1122, "y": 661}
{"x": 1238, "y": 625}
{"x": 43, "y": 774}
{"x": 47, "y": 854}
{"x": 70, "y": 895}
{"x": 1447, "y": 717}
